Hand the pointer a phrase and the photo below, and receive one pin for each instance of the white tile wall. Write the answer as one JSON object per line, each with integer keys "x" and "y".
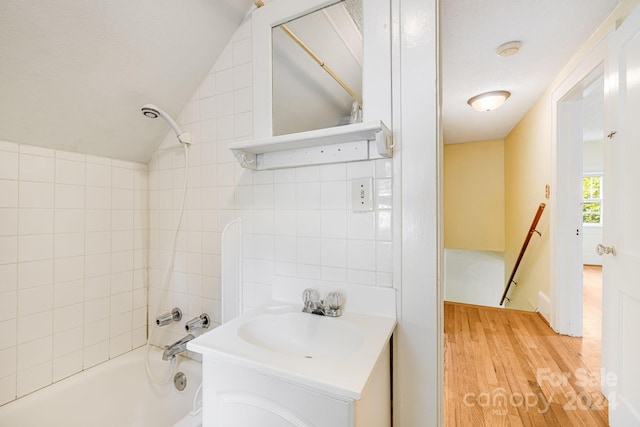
{"x": 79, "y": 235}
{"x": 296, "y": 222}
{"x": 71, "y": 287}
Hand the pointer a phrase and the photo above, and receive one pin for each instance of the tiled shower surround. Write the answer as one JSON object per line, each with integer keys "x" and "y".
{"x": 73, "y": 235}
{"x": 296, "y": 221}
{"x": 73, "y": 281}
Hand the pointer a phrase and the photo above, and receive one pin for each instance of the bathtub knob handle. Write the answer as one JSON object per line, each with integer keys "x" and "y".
{"x": 167, "y": 318}
{"x": 201, "y": 322}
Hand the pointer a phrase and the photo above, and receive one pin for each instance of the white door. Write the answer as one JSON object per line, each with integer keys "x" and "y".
{"x": 621, "y": 269}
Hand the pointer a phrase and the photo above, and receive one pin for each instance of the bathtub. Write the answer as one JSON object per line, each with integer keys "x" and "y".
{"x": 116, "y": 393}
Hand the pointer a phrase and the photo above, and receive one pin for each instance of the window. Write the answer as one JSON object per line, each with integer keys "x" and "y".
{"x": 592, "y": 199}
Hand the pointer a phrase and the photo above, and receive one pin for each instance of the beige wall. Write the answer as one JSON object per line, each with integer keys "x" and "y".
{"x": 473, "y": 192}
{"x": 527, "y": 155}
{"x": 527, "y": 170}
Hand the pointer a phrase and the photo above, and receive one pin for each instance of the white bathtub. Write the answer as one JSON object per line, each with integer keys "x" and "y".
{"x": 116, "y": 393}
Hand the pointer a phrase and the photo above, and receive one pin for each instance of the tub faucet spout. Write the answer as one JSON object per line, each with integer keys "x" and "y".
{"x": 172, "y": 350}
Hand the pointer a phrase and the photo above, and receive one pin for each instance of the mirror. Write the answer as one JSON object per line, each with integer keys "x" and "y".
{"x": 277, "y": 113}
{"x": 317, "y": 69}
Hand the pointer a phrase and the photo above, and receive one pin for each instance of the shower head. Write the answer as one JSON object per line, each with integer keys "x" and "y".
{"x": 149, "y": 112}
{"x": 153, "y": 112}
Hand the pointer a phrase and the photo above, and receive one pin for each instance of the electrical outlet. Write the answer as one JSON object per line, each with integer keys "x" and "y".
{"x": 362, "y": 194}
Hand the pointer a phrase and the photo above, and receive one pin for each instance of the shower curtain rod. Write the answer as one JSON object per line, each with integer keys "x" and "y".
{"x": 317, "y": 59}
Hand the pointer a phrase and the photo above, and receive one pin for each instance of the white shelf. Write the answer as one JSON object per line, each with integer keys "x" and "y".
{"x": 360, "y": 141}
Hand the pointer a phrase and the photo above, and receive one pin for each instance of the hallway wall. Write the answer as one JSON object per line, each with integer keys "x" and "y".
{"x": 473, "y": 277}
{"x": 528, "y": 170}
{"x": 473, "y": 195}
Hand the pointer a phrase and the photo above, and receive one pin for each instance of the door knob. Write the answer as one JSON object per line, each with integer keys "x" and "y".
{"x": 605, "y": 250}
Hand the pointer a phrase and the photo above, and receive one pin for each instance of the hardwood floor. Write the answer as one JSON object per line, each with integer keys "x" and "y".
{"x": 508, "y": 368}
{"x": 592, "y": 301}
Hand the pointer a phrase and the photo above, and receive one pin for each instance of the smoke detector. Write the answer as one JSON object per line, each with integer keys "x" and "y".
{"x": 509, "y": 48}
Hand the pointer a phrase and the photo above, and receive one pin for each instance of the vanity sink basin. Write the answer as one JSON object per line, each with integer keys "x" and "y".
{"x": 302, "y": 335}
{"x": 332, "y": 355}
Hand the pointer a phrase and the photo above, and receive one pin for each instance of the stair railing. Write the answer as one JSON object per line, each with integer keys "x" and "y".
{"x": 532, "y": 230}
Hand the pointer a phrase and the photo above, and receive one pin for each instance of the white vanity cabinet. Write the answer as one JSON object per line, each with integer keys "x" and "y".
{"x": 235, "y": 396}
{"x": 277, "y": 366}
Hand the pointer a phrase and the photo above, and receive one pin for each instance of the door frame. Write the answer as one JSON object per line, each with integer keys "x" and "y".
{"x": 566, "y": 157}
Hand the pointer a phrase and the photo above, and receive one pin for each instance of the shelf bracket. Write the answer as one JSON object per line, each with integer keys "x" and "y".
{"x": 384, "y": 142}
{"x": 246, "y": 160}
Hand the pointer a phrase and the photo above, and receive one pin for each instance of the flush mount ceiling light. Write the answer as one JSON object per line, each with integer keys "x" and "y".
{"x": 509, "y": 48}
{"x": 489, "y": 100}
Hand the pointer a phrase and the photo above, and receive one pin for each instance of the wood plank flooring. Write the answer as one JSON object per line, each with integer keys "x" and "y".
{"x": 508, "y": 368}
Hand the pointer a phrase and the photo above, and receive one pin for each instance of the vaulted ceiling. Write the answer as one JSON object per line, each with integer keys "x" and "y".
{"x": 74, "y": 74}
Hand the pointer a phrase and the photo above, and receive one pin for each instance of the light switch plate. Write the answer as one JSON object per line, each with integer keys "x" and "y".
{"x": 362, "y": 194}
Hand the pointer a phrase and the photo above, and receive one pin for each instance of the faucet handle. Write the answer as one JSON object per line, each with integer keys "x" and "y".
{"x": 333, "y": 304}
{"x": 197, "y": 323}
{"x": 167, "y": 318}
{"x": 334, "y": 300}
{"x": 310, "y": 298}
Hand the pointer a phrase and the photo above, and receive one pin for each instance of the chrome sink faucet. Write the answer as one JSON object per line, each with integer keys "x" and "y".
{"x": 172, "y": 350}
{"x": 331, "y": 306}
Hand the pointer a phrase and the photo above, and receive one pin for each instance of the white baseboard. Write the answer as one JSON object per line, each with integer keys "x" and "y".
{"x": 544, "y": 306}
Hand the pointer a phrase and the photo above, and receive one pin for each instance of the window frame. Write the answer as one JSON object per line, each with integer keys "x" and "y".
{"x": 593, "y": 200}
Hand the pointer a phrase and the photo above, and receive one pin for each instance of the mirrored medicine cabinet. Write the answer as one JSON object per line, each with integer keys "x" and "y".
{"x": 321, "y": 83}
{"x": 317, "y": 69}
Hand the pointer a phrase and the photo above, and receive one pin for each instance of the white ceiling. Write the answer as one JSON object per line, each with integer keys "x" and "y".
{"x": 74, "y": 74}
{"x": 551, "y": 31}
